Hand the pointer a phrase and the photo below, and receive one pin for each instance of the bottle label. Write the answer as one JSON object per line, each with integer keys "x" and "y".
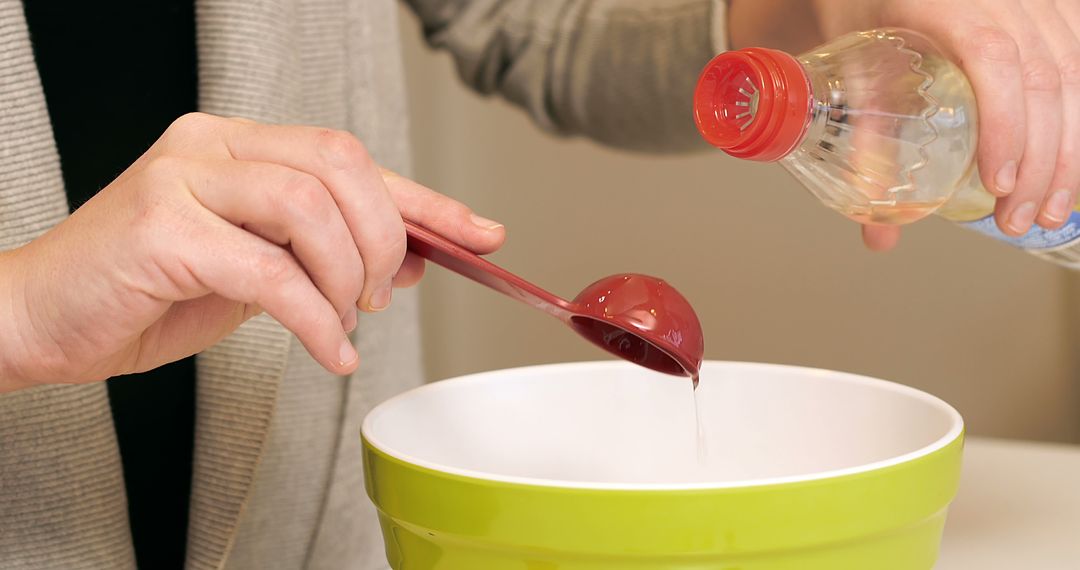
{"x": 1037, "y": 238}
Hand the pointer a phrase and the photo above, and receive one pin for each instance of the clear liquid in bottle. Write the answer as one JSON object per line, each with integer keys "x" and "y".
{"x": 879, "y": 125}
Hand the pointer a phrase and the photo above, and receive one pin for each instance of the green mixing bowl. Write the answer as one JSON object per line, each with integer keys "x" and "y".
{"x": 602, "y": 466}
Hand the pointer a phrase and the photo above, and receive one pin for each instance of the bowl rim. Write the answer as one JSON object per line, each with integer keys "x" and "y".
{"x": 955, "y": 431}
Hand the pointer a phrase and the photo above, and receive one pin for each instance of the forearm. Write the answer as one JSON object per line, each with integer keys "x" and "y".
{"x": 621, "y": 73}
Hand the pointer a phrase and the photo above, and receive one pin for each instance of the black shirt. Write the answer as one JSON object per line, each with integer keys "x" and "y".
{"x": 115, "y": 75}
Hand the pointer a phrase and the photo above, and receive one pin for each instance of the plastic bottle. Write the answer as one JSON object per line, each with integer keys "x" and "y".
{"x": 878, "y": 125}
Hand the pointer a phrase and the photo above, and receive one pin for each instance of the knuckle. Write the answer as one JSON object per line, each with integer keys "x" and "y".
{"x": 1068, "y": 168}
{"x": 1041, "y": 75}
{"x": 353, "y": 273}
{"x": 275, "y": 266}
{"x": 396, "y": 248}
{"x": 461, "y": 212}
{"x": 342, "y": 150}
{"x": 349, "y": 271}
{"x": 991, "y": 44}
{"x": 356, "y": 284}
{"x": 159, "y": 221}
{"x": 399, "y": 245}
{"x": 387, "y": 253}
{"x": 152, "y": 197}
{"x": 305, "y": 196}
{"x": 1069, "y": 68}
{"x": 161, "y": 168}
{"x": 190, "y": 122}
{"x": 149, "y": 207}
{"x": 454, "y": 215}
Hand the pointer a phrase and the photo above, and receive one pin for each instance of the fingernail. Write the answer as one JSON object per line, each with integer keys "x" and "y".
{"x": 381, "y": 298}
{"x": 1006, "y": 178}
{"x": 347, "y": 354}
{"x": 348, "y": 322}
{"x": 485, "y": 223}
{"x": 1022, "y": 217}
{"x": 1057, "y": 208}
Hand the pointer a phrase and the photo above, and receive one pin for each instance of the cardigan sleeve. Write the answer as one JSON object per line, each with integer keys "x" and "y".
{"x": 619, "y": 71}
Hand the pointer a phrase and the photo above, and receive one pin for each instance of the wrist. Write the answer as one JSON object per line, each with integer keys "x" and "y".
{"x": 12, "y": 341}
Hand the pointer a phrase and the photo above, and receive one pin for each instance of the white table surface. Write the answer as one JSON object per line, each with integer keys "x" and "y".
{"x": 1018, "y": 508}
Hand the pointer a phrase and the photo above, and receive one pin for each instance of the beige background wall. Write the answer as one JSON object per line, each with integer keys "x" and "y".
{"x": 774, "y": 276}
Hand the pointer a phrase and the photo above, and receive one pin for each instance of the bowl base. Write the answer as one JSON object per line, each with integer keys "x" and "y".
{"x": 912, "y": 548}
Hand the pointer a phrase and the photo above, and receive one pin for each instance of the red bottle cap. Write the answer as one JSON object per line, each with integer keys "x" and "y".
{"x": 753, "y": 103}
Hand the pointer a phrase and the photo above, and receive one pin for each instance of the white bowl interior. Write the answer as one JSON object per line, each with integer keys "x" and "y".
{"x": 612, "y": 424}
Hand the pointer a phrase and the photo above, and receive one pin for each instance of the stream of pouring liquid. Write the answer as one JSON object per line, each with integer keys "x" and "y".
{"x": 702, "y": 446}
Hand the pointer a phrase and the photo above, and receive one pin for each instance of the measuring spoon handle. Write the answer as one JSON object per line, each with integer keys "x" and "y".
{"x": 439, "y": 250}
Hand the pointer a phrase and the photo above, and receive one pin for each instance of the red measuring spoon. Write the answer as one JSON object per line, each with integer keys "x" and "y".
{"x": 636, "y": 317}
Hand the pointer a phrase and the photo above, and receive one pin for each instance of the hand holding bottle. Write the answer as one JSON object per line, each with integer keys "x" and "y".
{"x": 1023, "y": 61}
